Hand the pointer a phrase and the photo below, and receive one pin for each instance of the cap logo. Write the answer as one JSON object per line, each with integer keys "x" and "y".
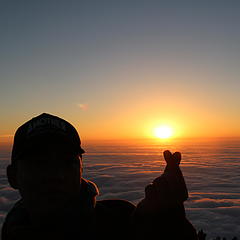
{"x": 55, "y": 123}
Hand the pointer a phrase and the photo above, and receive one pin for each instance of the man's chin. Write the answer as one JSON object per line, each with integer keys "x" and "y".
{"x": 49, "y": 215}
{"x": 49, "y": 206}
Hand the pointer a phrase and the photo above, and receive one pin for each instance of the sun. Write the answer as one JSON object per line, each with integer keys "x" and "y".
{"x": 163, "y": 132}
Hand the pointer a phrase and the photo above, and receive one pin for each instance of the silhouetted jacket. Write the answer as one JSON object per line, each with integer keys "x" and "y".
{"x": 109, "y": 219}
{"x": 88, "y": 220}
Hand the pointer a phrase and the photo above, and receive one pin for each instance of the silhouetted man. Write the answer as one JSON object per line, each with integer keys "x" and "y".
{"x": 57, "y": 203}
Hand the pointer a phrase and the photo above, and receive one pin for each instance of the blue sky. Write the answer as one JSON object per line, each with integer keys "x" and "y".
{"x": 123, "y": 60}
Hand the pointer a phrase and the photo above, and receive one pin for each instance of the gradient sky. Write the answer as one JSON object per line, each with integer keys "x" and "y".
{"x": 117, "y": 69}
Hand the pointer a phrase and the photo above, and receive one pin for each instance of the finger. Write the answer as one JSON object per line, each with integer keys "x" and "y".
{"x": 167, "y": 156}
{"x": 150, "y": 192}
{"x": 157, "y": 180}
{"x": 161, "y": 187}
{"x": 177, "y": 157}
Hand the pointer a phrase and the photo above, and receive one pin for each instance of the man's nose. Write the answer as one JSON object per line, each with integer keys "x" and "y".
{"x": 53, "y": 177}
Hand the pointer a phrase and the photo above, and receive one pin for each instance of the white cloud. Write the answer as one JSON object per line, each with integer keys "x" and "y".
{"x": 83, "y": 106}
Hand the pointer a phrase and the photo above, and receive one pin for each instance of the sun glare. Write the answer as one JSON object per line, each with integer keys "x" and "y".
{"x": 163, "y": 132}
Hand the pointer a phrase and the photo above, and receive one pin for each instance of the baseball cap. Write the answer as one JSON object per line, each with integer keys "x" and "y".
{"x": 42, "y": 130}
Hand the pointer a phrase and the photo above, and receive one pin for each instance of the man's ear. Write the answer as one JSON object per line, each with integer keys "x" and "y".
{"x": 12, "y": 176}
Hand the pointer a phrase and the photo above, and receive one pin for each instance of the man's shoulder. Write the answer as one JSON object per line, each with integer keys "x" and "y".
{"x": 15, "y": 218}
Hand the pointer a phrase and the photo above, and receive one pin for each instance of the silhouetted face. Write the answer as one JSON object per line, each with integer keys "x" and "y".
{"x": 48, "y": 178}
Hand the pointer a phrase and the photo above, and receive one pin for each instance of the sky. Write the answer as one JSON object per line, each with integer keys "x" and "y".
{"x": 117, "y": 69}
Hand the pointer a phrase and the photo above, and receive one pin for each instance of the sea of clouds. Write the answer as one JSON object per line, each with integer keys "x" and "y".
{"x": 123, "y": 169}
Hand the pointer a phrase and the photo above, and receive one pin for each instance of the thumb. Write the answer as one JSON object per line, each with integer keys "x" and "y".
{"x": 177, "y": 157}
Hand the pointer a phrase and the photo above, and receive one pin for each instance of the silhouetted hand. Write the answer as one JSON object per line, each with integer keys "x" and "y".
{"x": 167, "y": 190}
{"x": 163, "y": 208}
{"x": 170, "y": 186}
{"x": 201, "y": 235}
{"x": 172, "y": 160}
